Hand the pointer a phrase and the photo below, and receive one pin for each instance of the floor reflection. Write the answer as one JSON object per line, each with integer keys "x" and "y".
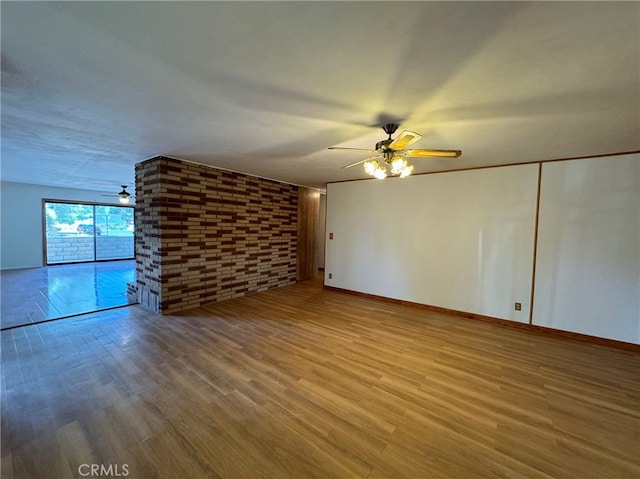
{"x": 38, "y": 294}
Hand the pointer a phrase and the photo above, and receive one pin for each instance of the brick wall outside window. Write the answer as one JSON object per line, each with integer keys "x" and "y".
{"x": 205, "y": 235}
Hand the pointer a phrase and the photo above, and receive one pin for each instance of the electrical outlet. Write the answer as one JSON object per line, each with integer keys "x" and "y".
{"x": 330, "y": 276}
{"x": 518, "y": 306}
{"x": 330, "y": 235}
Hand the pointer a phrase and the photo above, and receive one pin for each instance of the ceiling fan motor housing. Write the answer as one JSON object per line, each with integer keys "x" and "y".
{"x": 390, "y": 128}
{"x": 383, "y": 145}
{"x": 124, "y": 193}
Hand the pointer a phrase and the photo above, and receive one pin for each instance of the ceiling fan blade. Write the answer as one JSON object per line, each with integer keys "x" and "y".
{"x": 362, "y": 161}
{"x": 432, "y": 153}
{"x": 367, "y": 150}
{"x": 404, "y": 139}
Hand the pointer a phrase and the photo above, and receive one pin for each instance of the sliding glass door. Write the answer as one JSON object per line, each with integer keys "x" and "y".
{"x": 115, "y": 228}
{"x": 77, "y": 232}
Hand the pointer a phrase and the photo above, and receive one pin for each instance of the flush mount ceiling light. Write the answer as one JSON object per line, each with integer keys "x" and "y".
{"x": 390, "y": 158}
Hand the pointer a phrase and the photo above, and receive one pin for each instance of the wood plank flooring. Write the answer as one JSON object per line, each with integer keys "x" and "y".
{"x": 305, "y": 383}
{"x": 33, "y": 295}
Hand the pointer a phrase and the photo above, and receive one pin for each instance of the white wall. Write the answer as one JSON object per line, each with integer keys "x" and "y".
{"x": 21, "y": 237}
{"x": 464, "y": 241}
{"x": 588, "y": 268}
{"x": 460, "y": 240}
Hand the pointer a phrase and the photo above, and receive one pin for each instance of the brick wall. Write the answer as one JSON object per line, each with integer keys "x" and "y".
{"x": 205, "y": 235}
{"x": 69, "y": 249}
{"x": 114, "y": 247}
{"x": 147, "y": 233}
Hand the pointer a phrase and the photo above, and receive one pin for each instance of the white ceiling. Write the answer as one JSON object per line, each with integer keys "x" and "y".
{"x": 90, "y": 89}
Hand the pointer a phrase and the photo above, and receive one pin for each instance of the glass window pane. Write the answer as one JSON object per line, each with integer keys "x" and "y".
{"x": 69, "y": 232}
{"x": 114, "y": 232}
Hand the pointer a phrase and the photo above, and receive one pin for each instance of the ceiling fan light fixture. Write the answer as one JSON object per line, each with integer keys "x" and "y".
{"x": 406, "y": 171}
{"x": 370, "y": 167}
{"x": 124, "y": 195}
{"x": 381, "y": 172}
{"x": 398, "y": 165}
{"x": 382, "y": 169}
{"x": 393, "y": 154}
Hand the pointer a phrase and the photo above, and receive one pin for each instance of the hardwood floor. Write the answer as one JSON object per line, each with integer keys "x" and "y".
{"x": 299, "y": 382}
{"x": 33, "y": 295}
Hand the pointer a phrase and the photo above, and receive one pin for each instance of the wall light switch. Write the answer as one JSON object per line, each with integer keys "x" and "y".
{"x": 330, "y": 235}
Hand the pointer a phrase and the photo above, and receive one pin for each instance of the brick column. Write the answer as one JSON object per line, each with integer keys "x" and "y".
{"x": 204, "y": 235}
{"x": 148, "y": 234}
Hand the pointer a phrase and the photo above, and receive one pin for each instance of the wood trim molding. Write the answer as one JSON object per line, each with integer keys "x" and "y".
{"x": 535, "y": 245}
{"x": 558, "y": 333}
{"x": 540, "y": 162}
{"x": 43, "y": 218}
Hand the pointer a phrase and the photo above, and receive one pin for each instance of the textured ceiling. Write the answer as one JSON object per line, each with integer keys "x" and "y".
{"x": 90, "y": 89}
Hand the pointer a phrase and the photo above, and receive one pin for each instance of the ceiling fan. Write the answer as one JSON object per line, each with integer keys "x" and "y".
{"x": 123, "y": 196}
{"x": 392, "y": 154}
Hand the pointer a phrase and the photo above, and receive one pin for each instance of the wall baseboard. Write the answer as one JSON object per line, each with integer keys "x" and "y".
{"x": 558, "y": 333}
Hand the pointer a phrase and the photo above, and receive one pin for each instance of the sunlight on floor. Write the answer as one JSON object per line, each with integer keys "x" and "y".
{"x": 39, "y": 294}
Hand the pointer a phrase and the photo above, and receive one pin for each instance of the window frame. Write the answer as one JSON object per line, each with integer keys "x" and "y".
{"x": 93, "y": 204}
